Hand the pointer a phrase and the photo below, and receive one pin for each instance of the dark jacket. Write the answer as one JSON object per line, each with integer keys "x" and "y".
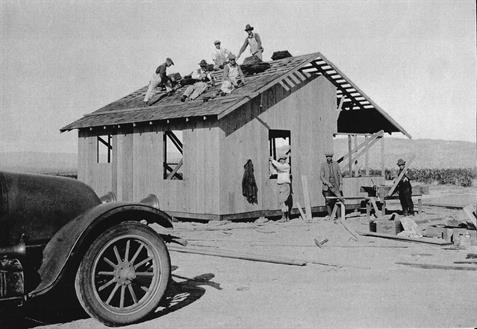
{"x": 325, "y": 175}
{"x": 404, "y": 185}
{"x": 249, "y": 186}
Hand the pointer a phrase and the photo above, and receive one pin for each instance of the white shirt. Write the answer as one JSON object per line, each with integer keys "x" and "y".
{"x": 220, "y": 56}
{"x": 283, "y": 172}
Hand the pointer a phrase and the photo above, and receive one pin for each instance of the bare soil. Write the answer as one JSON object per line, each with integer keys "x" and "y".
{"x": 358, "y": 283}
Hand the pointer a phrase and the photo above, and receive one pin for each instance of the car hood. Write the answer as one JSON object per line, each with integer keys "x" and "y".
{"x": 37, "y": 206}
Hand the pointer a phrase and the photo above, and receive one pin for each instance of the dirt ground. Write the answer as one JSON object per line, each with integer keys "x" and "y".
{"x": 350, "y": 284}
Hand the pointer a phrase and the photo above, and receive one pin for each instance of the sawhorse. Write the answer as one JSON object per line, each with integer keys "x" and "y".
{"x": 341, "y": 205}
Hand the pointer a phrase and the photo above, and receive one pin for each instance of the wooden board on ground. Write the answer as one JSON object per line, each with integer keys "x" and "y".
{"x": 237, "y": 255}
{"x": 398, "y": 238}
{"x": 440, "y": 267}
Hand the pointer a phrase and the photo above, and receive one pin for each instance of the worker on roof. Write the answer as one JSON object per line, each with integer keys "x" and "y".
{"x": 405, "y": 190}
{"x": 284, "y": 184}
{"x": 220, "y": 56}
{"x": 232, "y": 77}
{"x": 159, "y": 78}
{"x": 204, "y": 80}
{"x": 253, "y": 40}
{"x": 332, "y": 182}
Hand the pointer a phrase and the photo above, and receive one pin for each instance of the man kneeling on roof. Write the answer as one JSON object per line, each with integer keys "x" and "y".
{"x": 233, "y": 76}
{"x": 159, "y": 78}
{"x": 204, "y": 80}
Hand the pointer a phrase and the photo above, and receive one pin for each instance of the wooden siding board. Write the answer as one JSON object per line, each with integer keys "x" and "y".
{"x": 309, "y": 113}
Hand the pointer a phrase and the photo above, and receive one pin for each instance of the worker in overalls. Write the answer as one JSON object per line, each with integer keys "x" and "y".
{"x": 232, "y": 77}
{"x": 405, "y": 191}
{"x": 253, "y": 40}
{"x": 332, "y": 181}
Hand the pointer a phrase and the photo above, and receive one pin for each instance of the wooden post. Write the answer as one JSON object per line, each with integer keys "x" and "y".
{"x": 382, "y": 158}
{"x": 304, "y": 182}
{"x": 366, "y": 161}
{"x": 350, "y": 165}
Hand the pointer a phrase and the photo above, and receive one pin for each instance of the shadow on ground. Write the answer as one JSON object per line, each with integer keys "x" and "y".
{"x": 60, "y": 307}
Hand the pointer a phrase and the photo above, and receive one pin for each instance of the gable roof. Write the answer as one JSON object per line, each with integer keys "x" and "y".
{"x": 288, "y": 72}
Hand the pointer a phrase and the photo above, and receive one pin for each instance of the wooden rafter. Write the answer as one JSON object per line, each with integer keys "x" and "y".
{"x": 336, "y": 84}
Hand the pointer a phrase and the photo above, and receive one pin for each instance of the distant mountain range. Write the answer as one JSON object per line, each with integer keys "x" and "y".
{"x": 429, "y": 154}
{"x": 38, "y": 162}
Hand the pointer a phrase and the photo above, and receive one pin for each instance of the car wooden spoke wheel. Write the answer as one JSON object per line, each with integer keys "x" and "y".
{"x": 124, "y": 274}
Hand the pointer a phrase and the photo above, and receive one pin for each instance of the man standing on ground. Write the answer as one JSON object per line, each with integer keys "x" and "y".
{"x": 159, "y": 78}
{"x": 405, "y": 191}
{"x": 204, "y": 79}
{"x": 284, "y": 185}
{"x": 253, "y": 40}
{"x": 220, "y": 56}
{"x": 332, "y": 182}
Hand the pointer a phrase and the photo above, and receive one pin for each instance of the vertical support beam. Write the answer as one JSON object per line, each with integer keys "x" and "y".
{"x": 350, "y": 164}
{"x": 306, "y": 197}
{"x": 366, "y": 160}
{"x": 382, "y": 158}
{"x": 355, "y": 147}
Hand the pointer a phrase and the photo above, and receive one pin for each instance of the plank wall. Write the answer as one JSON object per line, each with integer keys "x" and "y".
{"x": 137, "y": 167}
{"x": 309, "y": 113}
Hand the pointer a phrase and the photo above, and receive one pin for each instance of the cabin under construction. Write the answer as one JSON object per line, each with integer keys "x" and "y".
{"x": 192, "y": 155}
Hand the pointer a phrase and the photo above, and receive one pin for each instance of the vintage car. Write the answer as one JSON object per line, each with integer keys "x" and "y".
{"x": 55, "y": 228}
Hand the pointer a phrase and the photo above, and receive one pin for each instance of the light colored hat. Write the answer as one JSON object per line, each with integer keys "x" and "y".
{"x": 232, "y": 56}
{"x": 282, "y": 156}
{"x": 401, "y": 162}
{"x": 328, "y": 153}
{"x": 216, "y": 42}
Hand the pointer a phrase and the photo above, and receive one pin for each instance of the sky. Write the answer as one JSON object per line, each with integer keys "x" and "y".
{"x": 62, "y": 59}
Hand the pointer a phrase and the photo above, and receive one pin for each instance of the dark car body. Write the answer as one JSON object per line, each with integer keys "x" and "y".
{"x": 47, "y": 224}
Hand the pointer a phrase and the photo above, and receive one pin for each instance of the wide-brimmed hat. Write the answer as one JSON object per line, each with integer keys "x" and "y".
{"x": 401, "y": 162}
{"x": 216, "y": 42}
{"x": 248, "y": 27}
{"x": 170, "y": 60}
{"x": 203, "y": 63}
{"x": 232, "y": 56}
{"x": 329, "y": 154}
{"x": 282, "y": 156}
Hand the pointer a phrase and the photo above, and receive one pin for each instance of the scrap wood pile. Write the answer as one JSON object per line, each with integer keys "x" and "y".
{"x": 258, "y": 241}
{"x": 450, "y": 233}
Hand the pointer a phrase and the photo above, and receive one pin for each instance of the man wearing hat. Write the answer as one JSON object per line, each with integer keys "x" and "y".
{"x": 159, "y": 78}
{"x": 331, "y": 180}
{"x": 220, "y": 56}
{"x": 232, "y": 77}
{"x": 204, "y": 80}
{"x": 253, "y": 40}
{"x": 284, "y": 184}
{"x": 405, "y": 191}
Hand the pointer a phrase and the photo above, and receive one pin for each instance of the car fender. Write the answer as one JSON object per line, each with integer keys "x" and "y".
{"x": 69, "y": 241}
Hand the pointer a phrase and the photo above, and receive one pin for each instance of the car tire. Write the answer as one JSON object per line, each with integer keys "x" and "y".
{"x": 123, "y": 274}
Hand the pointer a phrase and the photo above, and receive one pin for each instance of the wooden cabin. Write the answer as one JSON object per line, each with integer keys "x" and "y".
{"x": 192, "y": 154}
